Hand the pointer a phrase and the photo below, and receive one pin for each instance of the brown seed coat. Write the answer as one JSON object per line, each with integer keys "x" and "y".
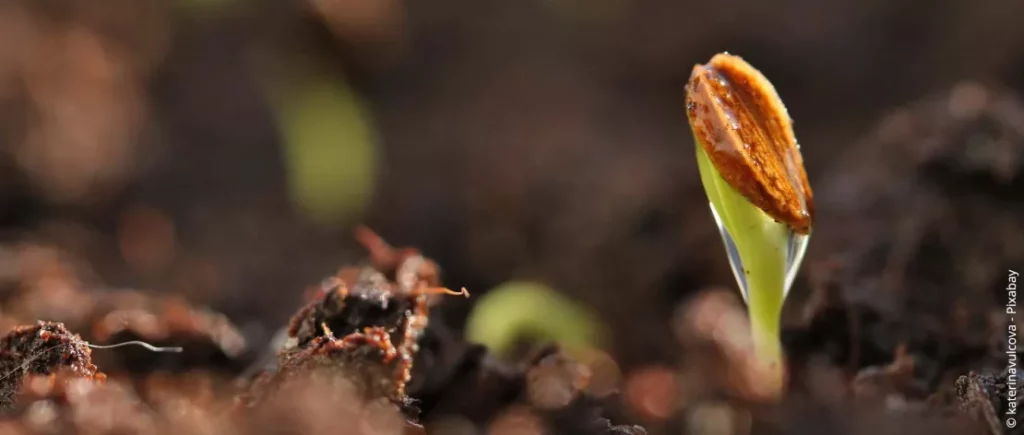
{"x": 744, "y": 128}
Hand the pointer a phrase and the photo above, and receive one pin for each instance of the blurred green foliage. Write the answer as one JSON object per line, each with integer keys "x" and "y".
{"x": 527, "y": 310}
{"x": 329, "y": 148}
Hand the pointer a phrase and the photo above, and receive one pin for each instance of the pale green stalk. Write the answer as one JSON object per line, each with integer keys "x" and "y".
{"x": 762, "y": 244}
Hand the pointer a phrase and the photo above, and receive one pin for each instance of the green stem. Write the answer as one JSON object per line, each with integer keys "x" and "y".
{"x": 761, "y": 243}
{"x": 765, "y": 278}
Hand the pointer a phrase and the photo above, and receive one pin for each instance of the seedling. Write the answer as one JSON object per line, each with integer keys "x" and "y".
{"x": 753, "y": 173}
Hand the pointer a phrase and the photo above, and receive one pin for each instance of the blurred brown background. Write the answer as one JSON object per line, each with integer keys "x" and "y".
{"x": 223, "y": 149}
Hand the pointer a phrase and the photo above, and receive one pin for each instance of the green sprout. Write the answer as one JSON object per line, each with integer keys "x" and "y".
{"x": 752, "y": 171}
{"x": 531, "y": 310}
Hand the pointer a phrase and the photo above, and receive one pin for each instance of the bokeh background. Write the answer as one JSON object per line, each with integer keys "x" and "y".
{"x": 225, "y": 149}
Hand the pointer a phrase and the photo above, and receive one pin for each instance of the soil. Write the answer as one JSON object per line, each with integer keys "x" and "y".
{"x": 517, "y": 140}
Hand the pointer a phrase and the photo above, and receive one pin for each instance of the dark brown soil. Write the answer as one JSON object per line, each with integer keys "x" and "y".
{"x": 144, "y": 195}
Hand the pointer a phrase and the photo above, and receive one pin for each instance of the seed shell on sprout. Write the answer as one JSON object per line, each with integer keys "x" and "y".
{"x": 740, "y": 122}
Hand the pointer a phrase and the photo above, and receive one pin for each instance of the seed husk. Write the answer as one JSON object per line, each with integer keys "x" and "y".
{"x": 740, "y": 121}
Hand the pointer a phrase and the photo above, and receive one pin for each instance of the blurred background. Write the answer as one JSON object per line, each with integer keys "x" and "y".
{"x": 224, "y": 149}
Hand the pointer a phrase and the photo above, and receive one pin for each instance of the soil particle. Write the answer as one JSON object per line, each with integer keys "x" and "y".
{"x": 41, "y": 349}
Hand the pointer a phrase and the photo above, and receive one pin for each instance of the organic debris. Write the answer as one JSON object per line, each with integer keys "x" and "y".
{"x": 42, "y": 349}
{"x": 361, "y": 310}
{"x": 368, "y": 329}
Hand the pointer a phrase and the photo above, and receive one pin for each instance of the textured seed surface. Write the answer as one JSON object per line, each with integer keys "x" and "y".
{"x": 741, "y": 123}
